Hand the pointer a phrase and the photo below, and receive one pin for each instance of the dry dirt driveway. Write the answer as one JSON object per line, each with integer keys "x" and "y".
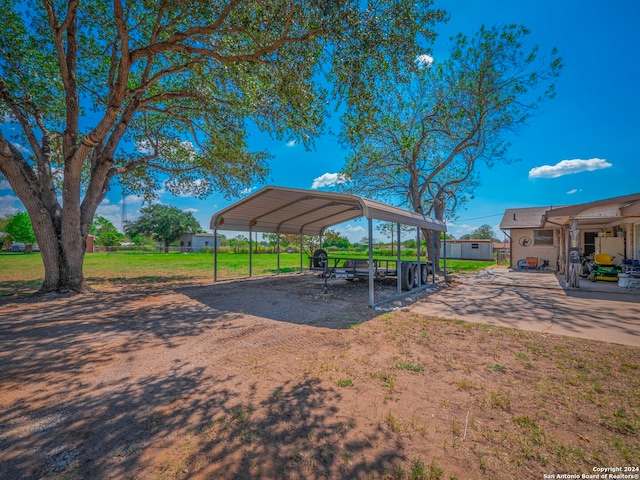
{"x": 272, "y": 379}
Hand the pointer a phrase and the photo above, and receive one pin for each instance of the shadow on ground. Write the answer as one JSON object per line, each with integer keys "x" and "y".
{"x": 297, "y": 299}
{"x": 75, "y": 398}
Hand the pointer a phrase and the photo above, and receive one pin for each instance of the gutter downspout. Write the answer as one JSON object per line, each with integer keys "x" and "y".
{"x": 510, "y": 246}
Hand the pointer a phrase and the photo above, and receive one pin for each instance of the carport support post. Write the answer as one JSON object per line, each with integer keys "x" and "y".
{"x": 215, "y": 255}
{"x": 278, "y": 250}
{"x": 372, "y": 299}
{"x": 300, "y": 252}
{"x": 250, "y": 250}
{"x": 418, "y": 257}
{"x": 399, "y": 261}
{"x": 444, "y": 242}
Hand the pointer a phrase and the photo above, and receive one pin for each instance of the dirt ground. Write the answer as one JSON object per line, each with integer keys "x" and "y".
{"x": 271, "y": 378}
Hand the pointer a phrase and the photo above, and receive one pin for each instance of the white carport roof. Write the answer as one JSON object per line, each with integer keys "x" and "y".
{"x": 309, "y": 212}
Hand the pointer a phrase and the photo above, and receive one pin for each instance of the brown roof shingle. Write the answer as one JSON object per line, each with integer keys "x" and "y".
{"x": 523, "y": 218}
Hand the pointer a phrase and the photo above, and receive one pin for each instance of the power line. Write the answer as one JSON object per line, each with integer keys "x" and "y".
{"x": 480, "y": 218}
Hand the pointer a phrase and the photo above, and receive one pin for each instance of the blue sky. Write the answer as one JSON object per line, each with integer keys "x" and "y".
{"x": 581, "y": 146}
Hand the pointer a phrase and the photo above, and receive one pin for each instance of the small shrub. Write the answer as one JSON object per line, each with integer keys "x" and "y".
{"x": 394, "y": 422}
{"x": 345, "y": 382}
{"x": 500, "y": 399}
{"x": 409, "y": 366}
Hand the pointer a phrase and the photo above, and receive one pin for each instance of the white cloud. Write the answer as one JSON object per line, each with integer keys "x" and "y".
{"x": 568, "y": 167}
{"x": 21, "y": 148}
{"x": 247, "y": 190}
{"x": 424, "y": 60}
{"x": 4, "y": 185}
{"x": 131, "y": 199}
{"x": 291, "y": 143}
{"x": 9, "y": 118}
{"x": 111, "y": 212}
{"x": 106, "y": 210}
{"x": 194, "y": 185}
{"x": 574, "y": 190}
{"x": 144, "y": 147}
{"x": 462, "y": 226}
{"x": 351, "y": 229}
{"x": 7, "y": 205}
{"x": 353, "y": 232}
{"x": 165, "y": 148}
{"x": 191, "y": 210}
{"x": 327, "y": 180}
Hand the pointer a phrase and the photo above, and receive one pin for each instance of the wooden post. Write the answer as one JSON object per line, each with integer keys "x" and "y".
{"x": 574, "y": 266}
{"x": 563, "y": 247}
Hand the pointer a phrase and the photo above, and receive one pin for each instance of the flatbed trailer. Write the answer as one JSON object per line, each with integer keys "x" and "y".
{"x": 413, "y": 274}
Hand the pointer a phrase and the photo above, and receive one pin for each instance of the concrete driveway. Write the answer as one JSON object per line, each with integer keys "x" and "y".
{"x": 535, "y": 301}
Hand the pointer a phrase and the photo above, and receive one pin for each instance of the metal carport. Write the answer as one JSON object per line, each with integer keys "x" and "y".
{"x": 311, "y": 212}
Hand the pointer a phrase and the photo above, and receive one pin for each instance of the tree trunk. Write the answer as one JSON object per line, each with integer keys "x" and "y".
{"x": 63, "y": 259}
{"x": 433, "y": 248}
{"x": 61, "y": 239}
{"x": 433, "y": 237}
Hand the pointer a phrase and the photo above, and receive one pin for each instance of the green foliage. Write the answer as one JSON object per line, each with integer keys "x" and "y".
{"x": 344, "y": 382}
{"x": 160, "y": 95}
{"x": 422, "y": 135}
{"x": 483, "y": 232}
{"x": 187, "y": 76}
{"x": 409, "y": 366}
{"x": 331, "y": 238}
{"x": 496, "y": 368}
{"x": 108, "y": 235}
{"x": 164, "y": 223}
{"x": 19, "y": 229}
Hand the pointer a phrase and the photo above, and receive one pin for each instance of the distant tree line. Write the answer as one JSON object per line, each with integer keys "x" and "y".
{"x": 166, "y": 224}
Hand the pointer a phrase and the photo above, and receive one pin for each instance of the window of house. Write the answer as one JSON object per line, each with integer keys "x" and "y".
{"x": 475, "y": 245}
{"x": 543, "y": 238}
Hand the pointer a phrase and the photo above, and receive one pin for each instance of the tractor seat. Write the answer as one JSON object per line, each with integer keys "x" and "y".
{"x": 603, "y": 259}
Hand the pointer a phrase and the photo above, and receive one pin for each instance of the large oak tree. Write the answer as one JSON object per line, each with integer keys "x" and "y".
{"x": 163, "y": 223}
{"x": 160, "y": 93}
{"x": 421, "y": 141}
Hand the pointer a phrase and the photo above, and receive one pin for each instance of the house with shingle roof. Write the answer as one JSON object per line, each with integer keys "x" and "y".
{"x": 528, "y": 236}
{"x": 556, "y": 236}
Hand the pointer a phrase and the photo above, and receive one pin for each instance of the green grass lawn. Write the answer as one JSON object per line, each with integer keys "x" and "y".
{"x": 20, "y": 273}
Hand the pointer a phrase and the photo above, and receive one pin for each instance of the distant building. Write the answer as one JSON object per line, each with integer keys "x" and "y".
{"x": 90, "y": 244}
{"x": 467, "y": 249}
{"x": 196, "y": 242}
